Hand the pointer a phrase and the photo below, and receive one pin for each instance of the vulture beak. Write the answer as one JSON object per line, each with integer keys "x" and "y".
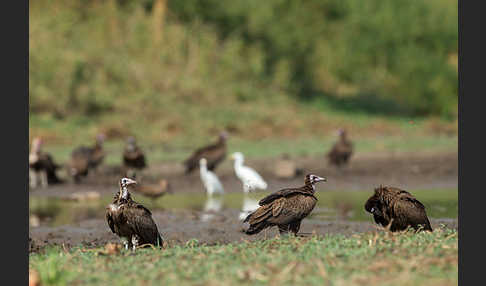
{"x": 372, "y": 210}
{"x": 130, "y": 182}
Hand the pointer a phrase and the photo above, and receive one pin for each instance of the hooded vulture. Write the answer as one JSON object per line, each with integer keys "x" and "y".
{"x": 341, "y": 151}
{"x": 397, "y": 209}
{"x": 131, "y": 221}
{"x": 41, "y": 166}
{"x": 214, "y": 154}
{"x": 286, "y": 208}
{"x": 85, "y": 158}
{"x": 133, "y": 156}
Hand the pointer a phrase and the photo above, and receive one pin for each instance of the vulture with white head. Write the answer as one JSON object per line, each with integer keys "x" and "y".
{"x": 285, "y": 209}
{"x": 131, "y": 221}
{"x": 214, "y": 154}
{"x": 86, "y": 158}
{"x": 250, "y": 179}
{"x": 341, "y": 151}
{"x": 41, "y": 166}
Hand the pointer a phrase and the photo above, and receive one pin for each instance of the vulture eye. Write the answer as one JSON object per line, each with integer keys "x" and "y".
{"x": 372, "y": 209}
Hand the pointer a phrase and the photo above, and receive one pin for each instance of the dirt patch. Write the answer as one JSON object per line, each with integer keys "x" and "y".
{"x": 407, "y": 171}
{"x": 178, "y": 227}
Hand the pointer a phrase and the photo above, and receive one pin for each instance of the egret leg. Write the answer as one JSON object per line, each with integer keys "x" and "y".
{"x": 43, "y": 179}
{"x": 33, "y": 178}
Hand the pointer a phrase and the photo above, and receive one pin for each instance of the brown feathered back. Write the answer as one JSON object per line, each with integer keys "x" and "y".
{"x": 133, "y": 156}
{"x": 341, "y": 151}
{"x": 85, "y": 158}
{"x": 397, "y": 209}
{"x": 285, "y": 208}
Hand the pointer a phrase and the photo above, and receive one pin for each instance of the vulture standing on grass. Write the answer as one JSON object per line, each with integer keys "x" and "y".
{"x": 250, "y": 178}
{"x": 214, "y": 154}
{"x": 397, "y": 209}
{"x": 131, "y": 221}
{"x": 41, "y": 166}
{"x": 286, "y": 208}
{"x": 133, "y": 157}
{"x": 85, "y": 158}
{"x": 341, "y": 151}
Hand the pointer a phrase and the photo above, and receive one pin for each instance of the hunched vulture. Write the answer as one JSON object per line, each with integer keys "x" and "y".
{"x": 397, "y": 209}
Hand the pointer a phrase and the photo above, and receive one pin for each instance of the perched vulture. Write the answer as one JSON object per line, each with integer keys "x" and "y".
{"x": 250, "y": 178}
{"x": 131, "y": 221}
{"x": 341, "y": 151}
{"x": 210, "y": 180}
{"x": 85, "y": 158}
{"x": 286, "y": 208}
{"x": 41, "y": 166}
{"x": 133, "y": 156}
{"x": 214, "y": 154}
{"x": 397, "y": 209}
{"x": 154, "y": 190}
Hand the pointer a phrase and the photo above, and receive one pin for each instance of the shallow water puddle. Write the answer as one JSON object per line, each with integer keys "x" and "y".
{"x": 331, "y": 205}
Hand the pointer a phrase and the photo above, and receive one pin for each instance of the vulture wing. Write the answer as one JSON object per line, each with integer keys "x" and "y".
{"x": 111, "y": 222}
{"x": 410, "y": 210}
{"x": 213, "y": 153}
{"x": 140, "y": 218}
{"x": 283, "y": 193}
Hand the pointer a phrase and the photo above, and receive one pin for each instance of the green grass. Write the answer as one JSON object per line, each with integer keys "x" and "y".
{"x": 370, "y": 258}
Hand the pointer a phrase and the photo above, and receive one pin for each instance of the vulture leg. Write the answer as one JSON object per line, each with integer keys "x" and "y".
{"x": 125, "y": 242}
{"x": 135, "y": 241}
{"x": 295, "y": 226}
{"x": 284, "y": 229}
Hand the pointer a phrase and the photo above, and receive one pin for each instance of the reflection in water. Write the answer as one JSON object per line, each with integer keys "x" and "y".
{"x": 249, "y": 205}
{"x": 212, "y": 206}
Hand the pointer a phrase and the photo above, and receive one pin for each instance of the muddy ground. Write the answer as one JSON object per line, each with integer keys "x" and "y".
{"x": 408, "y": 171}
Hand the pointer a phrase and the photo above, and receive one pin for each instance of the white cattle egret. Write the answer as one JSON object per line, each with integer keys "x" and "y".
{"x": 209, "y": 179}
{"x": 250, "y": 178}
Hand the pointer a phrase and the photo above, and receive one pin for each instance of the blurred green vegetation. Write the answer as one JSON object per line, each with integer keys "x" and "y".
{"x": 256, "y": 68}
